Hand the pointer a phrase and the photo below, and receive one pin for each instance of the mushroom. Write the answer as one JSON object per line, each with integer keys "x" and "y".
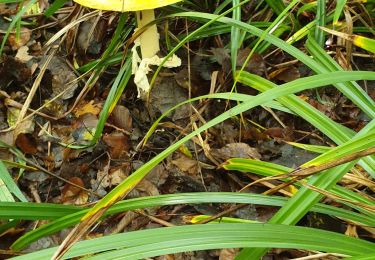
{"x": 148, "y": 40}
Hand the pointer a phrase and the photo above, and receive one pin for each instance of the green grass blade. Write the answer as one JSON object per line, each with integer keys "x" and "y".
{"x": 298, "y": 85}
{"x": 117, "y": 88}
{"x": 9, "y": 183}
{"x": 352, "y": 92}
{"x": 357, "y": 144}
{"x": 305, "y": 198}
{"x": 338, "y": 133}
{"x": 362, "y": 257}
{"x": 320, "y": 21}
{"x": 56, "y": 5}
{"x": 267, "y": 169}
{"x": 338, "y": 10}
{"x": 15, "y": 20}
{"x": 235, "y": 35}
{"x": 298, "y": 205}
{"x": 311, "y": 148}
{"x": 69, "y": 215}
{"x": 350, "y": 89}
{"x": 160, "y": 241}
{"x": 35, "y": 211}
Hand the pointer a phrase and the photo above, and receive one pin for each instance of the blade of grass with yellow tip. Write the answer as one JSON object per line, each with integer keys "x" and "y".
{"x": 358, "y": 40}
{"x": 355, "y": 145}
{"x": 268, "y": 169}
{"x": 305, "y": 198}
{"x": 311, "y": 148}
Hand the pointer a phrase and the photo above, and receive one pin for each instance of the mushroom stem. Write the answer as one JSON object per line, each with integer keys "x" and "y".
{"x": 150, "y": 38}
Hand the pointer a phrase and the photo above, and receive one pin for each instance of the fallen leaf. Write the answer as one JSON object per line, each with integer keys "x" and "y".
{"x": 256, "y": 63}
{"x": 87, "y": 108}
{"x": 17, "y": 41}
{"x": 277, "y": 132}
{"x": 122, "y": 118}
{"x": 235, "y": 150}
{"x": 118, "y": 144}
{"x": 285, "y": 74}
{"x": 23, "y": 54}
{"x": 73, "y": 195}
{"x": 26, "y": 143}
{"x": 112, "y": 178}
{"x": 186, "y": 164}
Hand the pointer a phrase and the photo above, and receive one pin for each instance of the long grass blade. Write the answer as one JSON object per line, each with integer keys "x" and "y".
{"x": 160, "y": 241}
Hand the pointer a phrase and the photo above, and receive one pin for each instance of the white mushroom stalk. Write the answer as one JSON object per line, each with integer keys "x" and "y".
{"x": 148, "y": 40}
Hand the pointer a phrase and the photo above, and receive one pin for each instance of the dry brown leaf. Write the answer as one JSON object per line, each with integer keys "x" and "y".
{"x": 122, "y": 118}
{"x": 147, "y": 187}
{"x": 256, "y": 63}
{"x": 113, "y": 177}
{"x": 26, "y": 143}
{"x": 228, "y": 253}
{"x": 17, "y": 42}
{"x": 281, "y": 133}
{"x": 186, "y": 164}
{"x": 73, "y": 195}
{"x": 118, "y": 144}
{"x": 285, "y": 74}
{"x": 23, "y": 54}
{"x": 235, "y": 150}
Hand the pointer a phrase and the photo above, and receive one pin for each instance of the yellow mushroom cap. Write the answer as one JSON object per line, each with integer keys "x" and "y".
{"x": 125, "y": 5}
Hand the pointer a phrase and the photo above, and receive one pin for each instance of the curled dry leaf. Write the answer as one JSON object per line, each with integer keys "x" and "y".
{"x": 73, "y": 195}
{"x": 118, "y": 144}
{"x": 18, "y": 41}
{"x": 122, "y": 118}
{"x": 113, "y": 177}
{"x": 23, "y": 54}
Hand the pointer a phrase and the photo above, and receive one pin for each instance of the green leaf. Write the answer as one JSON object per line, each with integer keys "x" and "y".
{"x": 10, "y": 185}
{"x": 56, "y": 5}
{"x": 69, "y": 215}
{"x": 338, "y": 10}
{"x": 320, "y": 21}
{"x": 298, "y": 85}
{"x": 338, "y": 133}
{"x": 305, "y": 198}
{"x": 169, "y": 240}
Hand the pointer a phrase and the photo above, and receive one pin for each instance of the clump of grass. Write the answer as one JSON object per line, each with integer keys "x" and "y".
{"x": 256, "y": 238}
